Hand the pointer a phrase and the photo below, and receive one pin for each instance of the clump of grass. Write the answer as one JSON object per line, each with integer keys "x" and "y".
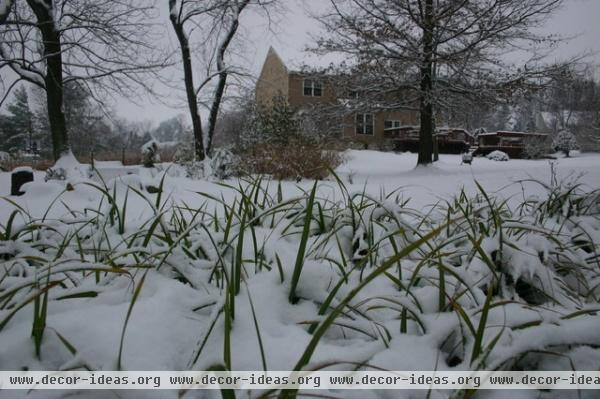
{"x": 477, "y": 254}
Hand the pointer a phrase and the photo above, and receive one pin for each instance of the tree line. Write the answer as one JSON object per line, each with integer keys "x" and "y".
{"x": 114, "y": 47}
{"x": 24, "y": 125}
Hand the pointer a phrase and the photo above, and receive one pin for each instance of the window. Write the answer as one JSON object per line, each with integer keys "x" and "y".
{"x": 313, "y": 88}
{"x": 391, "y": 124}
{"x": 364, "y": 124}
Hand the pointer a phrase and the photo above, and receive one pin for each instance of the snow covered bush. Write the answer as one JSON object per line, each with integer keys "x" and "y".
{"x": 68, "y": 168}
{"x": 184, "y": 152}
{"x": 274, "y": 123}
{"x": 55, "y": 174}
{"x": 565, "y": 142}
{"x": 224, "y": 164}
{"x": 278, "y": 144}
{"x": 498, "y": 156}
{"x": 185, "y": 157}
{"x": 150, "y": 154}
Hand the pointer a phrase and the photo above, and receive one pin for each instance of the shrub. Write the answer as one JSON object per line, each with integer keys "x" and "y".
{"x": 498, "y": 156}
{"x": 299, "y": 158}
{"x": 224, "y": 164}
{"x": 565, "y": 142}
{"x": 150, "y": 154}
{"x": 55, "y": 174}
{"x": 473, "y": 283}
{"x": 271, "y": 123}
{"x": 535, "y": 147}
{"x": 278, "y": 144}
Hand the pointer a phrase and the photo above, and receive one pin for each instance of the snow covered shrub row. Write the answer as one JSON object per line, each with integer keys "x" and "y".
{"x": 275, "y": 283}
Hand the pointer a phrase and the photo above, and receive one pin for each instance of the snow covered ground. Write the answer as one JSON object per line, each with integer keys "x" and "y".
{"x": 183, "y": 250}
{"x": 371, "y": 171}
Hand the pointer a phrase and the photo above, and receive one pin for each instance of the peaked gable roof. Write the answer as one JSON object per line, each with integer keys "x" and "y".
{"x": 273, "y": 57}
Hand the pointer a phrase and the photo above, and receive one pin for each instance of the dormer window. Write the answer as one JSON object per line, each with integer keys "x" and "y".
{"x": 313, "y": 88}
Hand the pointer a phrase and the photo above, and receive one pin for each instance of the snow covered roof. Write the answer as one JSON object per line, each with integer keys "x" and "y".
{"x": 510, "y": 133}
{"x": 448, "y": 130}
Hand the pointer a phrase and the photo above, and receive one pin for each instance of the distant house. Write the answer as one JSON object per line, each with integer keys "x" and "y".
{"x": 397, "y": 129}
{"x": 302, "y": 90}
{"x": 512, "y": 143}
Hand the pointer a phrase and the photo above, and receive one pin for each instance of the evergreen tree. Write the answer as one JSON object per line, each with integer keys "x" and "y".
{"x": 275, "y": 123}
{"x": 17, "y": 127}
{"x": 86, "y": 122}
{"x": 565, "y": 142}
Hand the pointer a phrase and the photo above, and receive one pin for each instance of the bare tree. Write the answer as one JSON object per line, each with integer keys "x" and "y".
{"x": 216, "y": 23}
{"x": 103, "y": 44}
{"x": 424, "y": 54}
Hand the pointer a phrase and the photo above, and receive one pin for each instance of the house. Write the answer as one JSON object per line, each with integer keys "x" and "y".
{"x": 302, "y": 91}
{"x": 397, "y": 129}
{"x": 512, "y": 143}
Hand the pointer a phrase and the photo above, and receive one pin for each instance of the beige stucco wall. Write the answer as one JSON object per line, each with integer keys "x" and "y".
{"x": 273, "y": 80}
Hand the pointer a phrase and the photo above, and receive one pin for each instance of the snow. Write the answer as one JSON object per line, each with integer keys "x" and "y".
{"x": 179, "y": 302}
{"x": 498, "y": 156}
{"x": 150, "y": 146}
{"x": 73, "y": 170}
{"x": 22, "y": 169}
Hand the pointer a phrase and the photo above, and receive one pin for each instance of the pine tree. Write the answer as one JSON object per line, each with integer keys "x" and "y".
{"x": 17, "y": 127}
{"x": 274, "y": 124}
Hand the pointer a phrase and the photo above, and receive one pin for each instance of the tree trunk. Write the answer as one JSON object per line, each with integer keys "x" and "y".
{"x": 220, "y": 89}
{"x": 426, "y": 76}
{"x": 188, "y": 78}
{"x": 214, "y": 110}
{"x": 54, "y": 75}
